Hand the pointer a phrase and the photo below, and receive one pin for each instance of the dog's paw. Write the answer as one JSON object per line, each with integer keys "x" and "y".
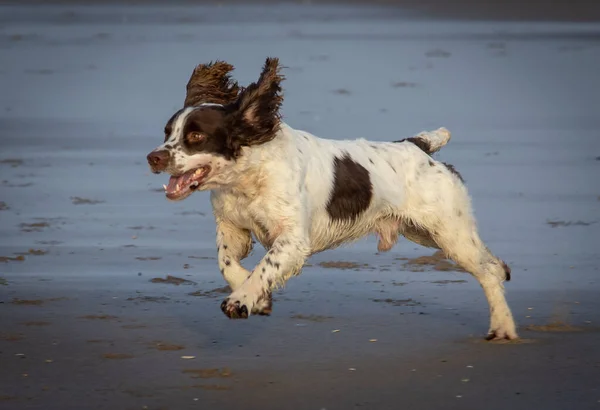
{"x": 502, "y": 334}
{"x": 240, "y": 307}
{"x": 234, "y": 309}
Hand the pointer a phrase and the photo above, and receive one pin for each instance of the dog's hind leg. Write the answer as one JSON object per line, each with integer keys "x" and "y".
{"x": 445, "y": 212}
{"x": 464, "y": 246}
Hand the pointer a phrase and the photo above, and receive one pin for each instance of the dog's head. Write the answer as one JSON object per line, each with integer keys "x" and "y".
{"x": 204, "y": 140}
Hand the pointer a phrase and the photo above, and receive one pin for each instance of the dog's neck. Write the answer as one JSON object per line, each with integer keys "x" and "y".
{"x": 249, "y": 177}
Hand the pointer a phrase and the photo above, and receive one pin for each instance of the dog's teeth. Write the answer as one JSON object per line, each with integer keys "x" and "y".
{"x": 165, "y": 187}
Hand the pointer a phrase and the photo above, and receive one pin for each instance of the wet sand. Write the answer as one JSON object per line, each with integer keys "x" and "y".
{"x": 109, "y": 294}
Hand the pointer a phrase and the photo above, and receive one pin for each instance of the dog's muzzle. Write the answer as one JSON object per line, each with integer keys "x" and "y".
{"x": 158, "y": 160}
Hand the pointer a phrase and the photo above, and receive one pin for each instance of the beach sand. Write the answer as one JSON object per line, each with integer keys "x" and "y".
{"x": 110, "y": 294}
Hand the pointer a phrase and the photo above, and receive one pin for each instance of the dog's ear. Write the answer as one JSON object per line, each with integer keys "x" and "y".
{"x": 211, "y": 83}
{"x": 254, "y": 118}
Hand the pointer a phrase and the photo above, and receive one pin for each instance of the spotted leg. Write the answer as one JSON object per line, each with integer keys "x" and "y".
{"x": 284, "y": 259}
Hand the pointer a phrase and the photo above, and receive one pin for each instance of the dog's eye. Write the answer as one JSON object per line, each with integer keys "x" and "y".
{"x": 195, "y": 137}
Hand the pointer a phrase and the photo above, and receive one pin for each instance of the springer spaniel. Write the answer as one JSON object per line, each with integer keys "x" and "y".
{"x": 299, "y": 194}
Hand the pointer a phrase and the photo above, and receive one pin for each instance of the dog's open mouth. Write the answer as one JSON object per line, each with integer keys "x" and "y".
{"x": 181, "y": 186}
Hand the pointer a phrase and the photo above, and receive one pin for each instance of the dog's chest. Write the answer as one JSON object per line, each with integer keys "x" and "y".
{"x": 250, "y": 215}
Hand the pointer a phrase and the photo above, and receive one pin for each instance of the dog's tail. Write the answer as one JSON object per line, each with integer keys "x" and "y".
{"x": 430, "y": 141}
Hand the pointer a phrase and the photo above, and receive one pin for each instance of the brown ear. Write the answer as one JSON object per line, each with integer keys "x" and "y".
{"x": 254, "y": 118}
{"x": 211, "y": 83}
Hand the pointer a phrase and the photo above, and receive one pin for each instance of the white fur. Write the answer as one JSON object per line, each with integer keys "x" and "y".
{"x": 279, "y": 192}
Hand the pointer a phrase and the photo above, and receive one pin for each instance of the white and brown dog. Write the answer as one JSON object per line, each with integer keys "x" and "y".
{"x": 299, "y": 194}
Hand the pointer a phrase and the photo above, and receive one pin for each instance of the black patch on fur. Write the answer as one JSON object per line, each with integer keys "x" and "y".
{"x": 454, "y": 171}
{"x": 419, "y": 142}
{"x": 352, "y": 189}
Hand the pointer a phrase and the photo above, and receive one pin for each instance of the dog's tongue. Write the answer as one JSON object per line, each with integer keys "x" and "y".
{"x": 176, "y": 184}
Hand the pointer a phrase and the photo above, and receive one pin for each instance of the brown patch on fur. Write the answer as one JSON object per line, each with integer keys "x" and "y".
{"x": 211, "y": 83}
{"x": 352, "y": 189}
{"x": 422, "y": 143}
{"x": 254, "y": 118}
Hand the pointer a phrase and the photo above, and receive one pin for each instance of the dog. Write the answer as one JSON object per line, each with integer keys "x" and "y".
{"x": 299, "y": 194}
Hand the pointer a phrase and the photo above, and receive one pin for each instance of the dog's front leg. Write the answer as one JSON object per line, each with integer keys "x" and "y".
{"x": 284, "y": 259}
{"x": 233, "y": 245}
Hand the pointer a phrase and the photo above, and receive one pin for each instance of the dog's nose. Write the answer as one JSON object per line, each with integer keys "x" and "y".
{"x": 158, "y": 160}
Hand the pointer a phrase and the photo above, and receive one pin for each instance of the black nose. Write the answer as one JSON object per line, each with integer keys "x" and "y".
{"x": 158, "y": 160}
